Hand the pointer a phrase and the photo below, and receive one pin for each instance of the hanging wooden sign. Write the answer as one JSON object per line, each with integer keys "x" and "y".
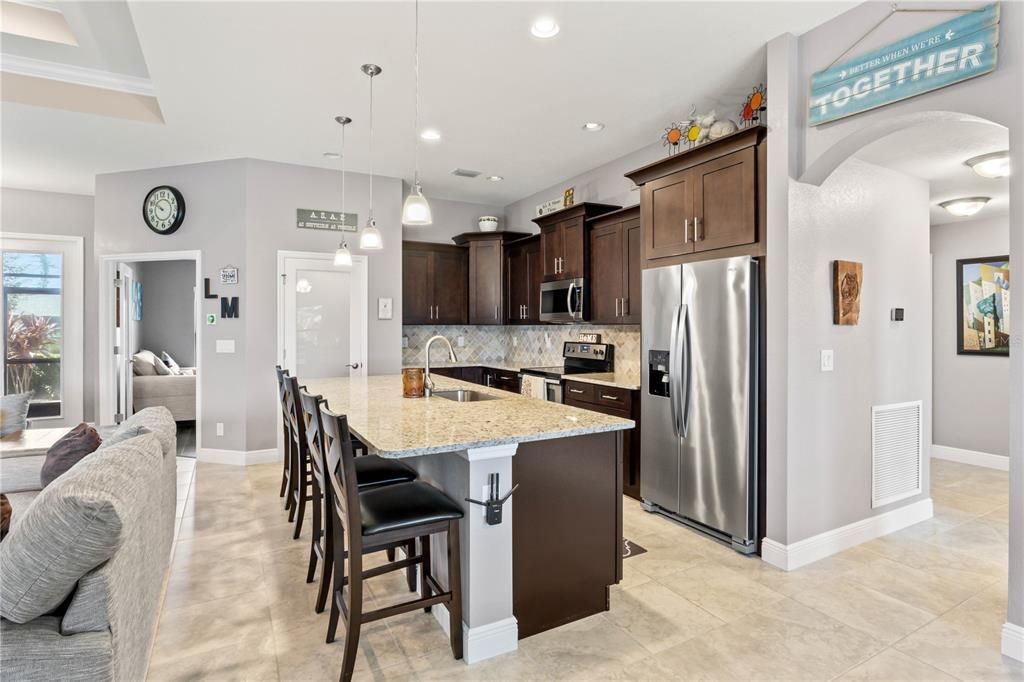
{"x": 954, "y": 51}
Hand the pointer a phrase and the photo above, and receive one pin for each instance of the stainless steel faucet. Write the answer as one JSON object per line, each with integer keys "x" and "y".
{"x": 428, "y": 383}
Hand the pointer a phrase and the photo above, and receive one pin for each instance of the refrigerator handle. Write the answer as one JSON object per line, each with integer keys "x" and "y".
{"x": 686, "y": 381}
{"x": 675, "y": 370}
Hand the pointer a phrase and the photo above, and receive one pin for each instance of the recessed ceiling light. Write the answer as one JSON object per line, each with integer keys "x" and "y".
{"x": 965, "y": 206}
{"x": 495, "y": 178}
{"x": 593, "y": 126}
{"x": 994, "y": 165}
{"x": 332, "y": 155}
{"x": 544, "y": 27}
{"x": 430, "y": 135}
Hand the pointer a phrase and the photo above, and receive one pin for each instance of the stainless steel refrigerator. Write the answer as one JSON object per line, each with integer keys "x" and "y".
{"x": 699, "y": 396}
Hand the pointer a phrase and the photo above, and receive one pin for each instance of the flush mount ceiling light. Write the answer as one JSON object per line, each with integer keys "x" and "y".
{"x": 966, "y": 206}
{"x": 593, "y": 126}
{"x": 994, "y": 165}
{"x": 416, "y": 210}
{"x": 370, "y": 238}
{"x": 430, "y": 135}
{"x": 495, "y": 178}
{"x": 342, "y": 256}
{"x": 544, "y": 27}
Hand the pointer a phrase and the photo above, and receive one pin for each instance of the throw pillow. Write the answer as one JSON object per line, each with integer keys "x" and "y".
{"x": 5, "y": 516}
{"x": 123, "y": 432}
{"x": 68, "y": 451}
{"x": 143, "y": 364}
{"x": 14, "y": 413}
{"x": 170, "y": 362}
{"x": 161, "y": 369}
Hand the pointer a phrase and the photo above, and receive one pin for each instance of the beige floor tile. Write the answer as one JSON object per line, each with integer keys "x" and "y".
{"x": 632, "y": 575}
{"x": 960, "y": 505}
{"x": 893, "y": 666}
{"x": 657, "y": 617}
{"x": 945, "y": 561}
{"x": 982, "y": 616}
{"x": 668, "y": 554}
{"x": 199, "y": 628}
{"x": 302, "y": 653}
{"x": 922, "y": 589}
{"x": 865, "y": 609}
{"x": 251, "y": 661}
{"x": 952, "y": 650}
{"x": 192, "y": 582}
{"x": 439, "y": 665}
{"x": 726, "y": 594}
{"x": 586, "y": 645}
{"x": 418, "y": 634}
{"x": 983, "y": 538}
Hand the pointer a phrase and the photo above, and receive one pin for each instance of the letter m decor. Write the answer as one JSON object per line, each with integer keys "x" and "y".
{"x": 954, "y": 51}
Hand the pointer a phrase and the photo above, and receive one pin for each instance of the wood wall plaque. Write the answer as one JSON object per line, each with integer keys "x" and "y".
{"x": 847, "y": 281}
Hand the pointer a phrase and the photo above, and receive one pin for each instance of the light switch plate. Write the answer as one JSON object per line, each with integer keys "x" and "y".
{"x": 828, "y": 360}
{"x": 225, "y": 345}
{"x": 220, "y": 428}
{"x": 405, "y": 342}
{"x": 385, "y": 308}
{"x": 461, "y": 342}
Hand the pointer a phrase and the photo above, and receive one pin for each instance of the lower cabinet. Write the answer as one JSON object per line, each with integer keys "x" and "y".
{"x": 618, "y": 402}
{"x": 506, "y": 380}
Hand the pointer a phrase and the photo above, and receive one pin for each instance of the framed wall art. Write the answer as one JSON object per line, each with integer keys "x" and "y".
{"x": 983, "y": 306}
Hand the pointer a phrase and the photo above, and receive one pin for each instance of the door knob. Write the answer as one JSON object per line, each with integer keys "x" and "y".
{"x": 354, "y": 365}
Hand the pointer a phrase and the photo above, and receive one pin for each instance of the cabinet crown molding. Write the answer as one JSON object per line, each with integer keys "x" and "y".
{"x": 587, "y": 209}
{"x": 746, "y": 137}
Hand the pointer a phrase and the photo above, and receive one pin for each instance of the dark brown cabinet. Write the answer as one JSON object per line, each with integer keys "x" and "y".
{"x": 616, "y": 245}
{"x": 434, "y": 284}
{"x": 523, "y": 276}
{"x": 506, "y": 380}
{"x": 563, "y": 242}
{"x": 486, "y": 274}
{"x": 706, "y": 199}
{"x": 618, "y": 402}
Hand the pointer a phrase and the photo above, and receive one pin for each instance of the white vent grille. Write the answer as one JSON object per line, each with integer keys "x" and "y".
{"x": 895, "y": 452}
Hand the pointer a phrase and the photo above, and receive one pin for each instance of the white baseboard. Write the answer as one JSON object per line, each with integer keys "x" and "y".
{"x": 809, "y": 550}
{"x": 981, "y": 459}
{"x": 486, "y": 641}
{"x": 1013, "y": 641}
{"x": 238, "y": 457}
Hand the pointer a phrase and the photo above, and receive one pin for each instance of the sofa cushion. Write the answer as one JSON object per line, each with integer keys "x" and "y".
{"x": 37, "y": 651}
{"x": 122, "y": 433}
{"x": 19, "y": 503}
{"x": 73, "y": 526}
{"x": 14, "y": 413}
{"x": 68, "y": 451}
{"x": 170, "y": 362}
{"x": 144, "y": 363}
{"x": 19, "y": 474}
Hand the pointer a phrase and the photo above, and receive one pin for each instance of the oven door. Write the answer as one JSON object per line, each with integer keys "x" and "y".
{"x": 563, "y": 301}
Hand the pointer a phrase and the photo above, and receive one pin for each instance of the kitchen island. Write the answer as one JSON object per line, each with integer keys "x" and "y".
{"x": 559, "y": 546}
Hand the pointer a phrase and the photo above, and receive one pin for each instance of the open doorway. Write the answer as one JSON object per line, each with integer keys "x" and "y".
{"x": 149, "y": 316}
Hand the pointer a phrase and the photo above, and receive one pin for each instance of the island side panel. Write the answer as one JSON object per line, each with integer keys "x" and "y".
{"x": 567, "y": 529}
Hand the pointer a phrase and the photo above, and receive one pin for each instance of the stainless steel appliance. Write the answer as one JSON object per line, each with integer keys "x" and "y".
{"x": 563, "y": 301}
{"x": 699, "y": 396}
{"x": 578, "y": 358}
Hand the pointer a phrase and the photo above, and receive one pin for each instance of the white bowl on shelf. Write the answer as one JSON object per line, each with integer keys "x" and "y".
{"x": 487, "y": 223}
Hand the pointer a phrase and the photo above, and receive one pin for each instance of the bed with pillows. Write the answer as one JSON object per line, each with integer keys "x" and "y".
{"x": 159, "y": 381}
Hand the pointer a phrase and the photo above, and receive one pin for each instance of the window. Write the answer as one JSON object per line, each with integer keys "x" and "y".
{"x": 33, "y": 290}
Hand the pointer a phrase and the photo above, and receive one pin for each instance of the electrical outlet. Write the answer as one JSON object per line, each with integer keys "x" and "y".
{"x": 547, "y": 340}
{"x": 828, "y": 361}
{"x": 220, "y": 428}
{"x": 461, "y": 342}
{"x": 405, "y": 342}
{"x": 515, "y": 341}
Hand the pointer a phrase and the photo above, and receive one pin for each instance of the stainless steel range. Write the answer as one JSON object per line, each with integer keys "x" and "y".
{"x": 578, "y": 358}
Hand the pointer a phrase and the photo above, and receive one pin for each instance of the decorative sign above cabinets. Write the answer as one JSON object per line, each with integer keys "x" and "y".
{"x": 333, "y": 221}
{"x": 954, "y": 51}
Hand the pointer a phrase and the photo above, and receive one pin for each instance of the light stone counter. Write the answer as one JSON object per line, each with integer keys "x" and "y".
{"x": 394, "y": 426}
{"x": 627, "y": 380}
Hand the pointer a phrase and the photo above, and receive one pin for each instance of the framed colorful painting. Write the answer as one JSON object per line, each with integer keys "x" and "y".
{"x": 983, "y": 306}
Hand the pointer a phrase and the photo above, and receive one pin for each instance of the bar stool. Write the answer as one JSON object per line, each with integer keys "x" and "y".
{"x": 286, "y": 469}
{"x": 371, "y": 471}
{"x": 374, "y": 519}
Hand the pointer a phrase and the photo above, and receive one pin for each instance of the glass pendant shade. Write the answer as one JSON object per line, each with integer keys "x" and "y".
{"x": 343, "y": 256}
{"x": 416, "y": 210}
{"x": 370, "y": 238}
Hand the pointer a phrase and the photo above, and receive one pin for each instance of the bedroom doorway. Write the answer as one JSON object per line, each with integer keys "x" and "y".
{"x": 150, "y": 339}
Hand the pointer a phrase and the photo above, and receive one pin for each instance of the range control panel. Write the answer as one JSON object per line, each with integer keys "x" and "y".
{"x": 595, "y": 351}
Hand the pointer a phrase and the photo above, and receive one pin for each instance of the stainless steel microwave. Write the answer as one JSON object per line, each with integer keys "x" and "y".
{"x": 563, "y": 301}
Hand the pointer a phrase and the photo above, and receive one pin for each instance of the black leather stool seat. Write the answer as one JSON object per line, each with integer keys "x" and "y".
{"x": 374, "y": 470}
{"x": 405, "y": 505}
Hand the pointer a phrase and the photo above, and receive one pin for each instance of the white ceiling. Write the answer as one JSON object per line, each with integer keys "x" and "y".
{"x": 265, "y": 79}
{"x": 936, "y": 152}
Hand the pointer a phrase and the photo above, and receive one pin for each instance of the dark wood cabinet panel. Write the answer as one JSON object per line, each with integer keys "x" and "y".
{"x": 417, "y": 301}
{"x": 563, "y": 242}
{"x": 618, "y": 402}
{"x": 724, "y": 202}
{"x": 669, "y": 203}
{"x": 605, "y": 273}
{"x": 536, "y": 276}
{"x": 487, "y": 267}
{"x": 632, "y": 264}
{"x": 573, "y": 248}
{"x": 551, "y": 250}
{"x": 522, "y": 281}
{"x": 433, "y": 283}
{"x": 450, "y": 283}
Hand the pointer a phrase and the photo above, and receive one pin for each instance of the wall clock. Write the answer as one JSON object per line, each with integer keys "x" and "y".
{"x": 164, "y": 209}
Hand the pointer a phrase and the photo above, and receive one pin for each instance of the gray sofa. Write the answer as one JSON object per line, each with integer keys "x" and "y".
{"x": 85, "y": 562}
{"x": 155, "y": 384}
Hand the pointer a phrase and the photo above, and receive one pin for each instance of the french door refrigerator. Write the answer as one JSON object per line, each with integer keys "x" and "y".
{"x": 699, "y": 396}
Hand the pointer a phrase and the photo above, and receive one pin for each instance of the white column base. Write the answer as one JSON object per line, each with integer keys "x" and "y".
{"x": 1013, "y": 641}
{"x": 486, "y": 641}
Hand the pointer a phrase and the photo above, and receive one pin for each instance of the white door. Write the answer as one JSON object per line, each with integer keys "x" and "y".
{"x": 44, "y": 308}
{"x": 124, "y": 341}
{"x": 323, "y": 316}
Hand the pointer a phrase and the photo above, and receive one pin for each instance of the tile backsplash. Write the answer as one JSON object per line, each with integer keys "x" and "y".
{"x": 520, "y": 346}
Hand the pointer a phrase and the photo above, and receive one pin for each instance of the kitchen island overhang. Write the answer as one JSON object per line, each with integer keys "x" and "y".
{"x": 558, "y": 549}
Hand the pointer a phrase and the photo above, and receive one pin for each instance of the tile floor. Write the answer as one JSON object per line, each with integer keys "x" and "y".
{"x": 926, "y": 603}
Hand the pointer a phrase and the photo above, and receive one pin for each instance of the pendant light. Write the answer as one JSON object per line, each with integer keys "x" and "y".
{"x": 370, "y": 238}
{"x": 416, "y": 210}
{"x": 343, "y": 256}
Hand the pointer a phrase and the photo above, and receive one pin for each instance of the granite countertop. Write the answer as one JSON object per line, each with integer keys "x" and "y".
{"x": 627, "y": 380}
{"x": 500, "y": 365}
{"x": 394, "y": 426}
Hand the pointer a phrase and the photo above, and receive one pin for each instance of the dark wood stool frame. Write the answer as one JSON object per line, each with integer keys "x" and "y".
{"x": 350, "y": 543}
{"x": 299, "y": 473}
{"x": 282, "y": 374}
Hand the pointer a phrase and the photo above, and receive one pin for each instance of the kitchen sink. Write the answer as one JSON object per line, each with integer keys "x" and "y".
{"x": 463, "y": 395}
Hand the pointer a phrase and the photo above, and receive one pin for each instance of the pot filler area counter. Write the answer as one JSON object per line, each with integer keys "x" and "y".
{"x": 558, "y": 547}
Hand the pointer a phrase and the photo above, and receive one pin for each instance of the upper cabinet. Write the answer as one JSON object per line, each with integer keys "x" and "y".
{"x": 486, "y": 274}
{"x": 706, "y": 202}
{"x": 522, "y": 280}
{"x": 434, "y": 283}
{"x": 616, "y": 259}
{"x": 563, "y": 241}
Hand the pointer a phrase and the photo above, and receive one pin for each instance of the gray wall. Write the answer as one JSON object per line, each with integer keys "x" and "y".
{"x": 880, "y": 218}
{"x": 970, "y": 393}
{"x": 29, "y": 211}
{"x": 451, "y": 218}
{"x": 168, "y": 315}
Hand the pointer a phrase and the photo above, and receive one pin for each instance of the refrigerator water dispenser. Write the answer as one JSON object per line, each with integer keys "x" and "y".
{"x": 657, "y": 366}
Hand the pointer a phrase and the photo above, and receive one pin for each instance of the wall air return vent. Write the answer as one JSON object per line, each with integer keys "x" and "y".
{"x": 464, "y": 173}
{"x": 896, "y": 451}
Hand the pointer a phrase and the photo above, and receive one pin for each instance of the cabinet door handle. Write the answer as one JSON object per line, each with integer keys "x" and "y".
{"x": 686, "y": 230}
{"x": 495, "y": 312}
{"x": 430, "y": 311}
{"x": 575, "y": 390}
{"x": 609, "y": 397}
{"x": 617, "y": 306}
{"x": 625, "y": 307}
{"x": 696, "y": 225}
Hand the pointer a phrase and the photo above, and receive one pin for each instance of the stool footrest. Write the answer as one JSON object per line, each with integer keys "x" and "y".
{"x": 406, "y": 607}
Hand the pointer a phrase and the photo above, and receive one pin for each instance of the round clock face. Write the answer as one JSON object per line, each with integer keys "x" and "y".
{"x": 163, "y": 209}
